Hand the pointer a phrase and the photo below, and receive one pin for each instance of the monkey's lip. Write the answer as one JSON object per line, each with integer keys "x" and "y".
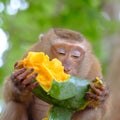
{"x": 67, "y": 72}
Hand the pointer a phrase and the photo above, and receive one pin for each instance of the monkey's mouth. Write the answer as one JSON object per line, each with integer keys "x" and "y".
{"x": 70, "y": 72}
{"x": 67, "y": 72}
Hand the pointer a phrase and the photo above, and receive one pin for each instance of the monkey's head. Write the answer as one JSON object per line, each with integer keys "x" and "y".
{"x": 68, "y": 46}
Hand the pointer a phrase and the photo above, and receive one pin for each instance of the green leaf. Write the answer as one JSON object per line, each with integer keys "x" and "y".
{"x": 66, "y": 97}
{"x": 61, "y": 95}
{"x": 68, "y": 89}
{"x": 62, "y": 90}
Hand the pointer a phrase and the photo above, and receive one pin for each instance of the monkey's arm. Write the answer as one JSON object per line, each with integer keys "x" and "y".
{"x": 99, "y": 92}
{"x": 16, "y": 102}
{"x": 17, "y": 95}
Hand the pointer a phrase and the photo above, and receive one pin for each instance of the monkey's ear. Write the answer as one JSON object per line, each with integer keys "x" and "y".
{"x": 41, "y": 36}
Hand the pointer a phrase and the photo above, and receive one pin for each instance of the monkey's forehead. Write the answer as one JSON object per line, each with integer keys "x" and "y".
{"x": 64, "y": 33}
{"x": 67, "y": 33}
{"x": 69, "y": 42}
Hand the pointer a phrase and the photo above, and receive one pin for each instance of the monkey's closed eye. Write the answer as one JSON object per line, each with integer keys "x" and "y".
{"x": 75, "y": 56}
{"x": 61, "y": 51}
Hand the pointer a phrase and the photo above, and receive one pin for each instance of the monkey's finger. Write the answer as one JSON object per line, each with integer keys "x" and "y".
{"x": 87, "y": 96}
{"x": 91, "y": 96}
{"x": 22, "y": 76}
{"x": 106, "y": 93}
{"x": 29, "y": 79}
{"x": 104, "y": 97}
{"x": 100, "y": 87}
{"x": 95, "y": 90}
{"x": 16, "y": 73}
{"x": 32, "y": 86}
{"x": 16, "y": 64}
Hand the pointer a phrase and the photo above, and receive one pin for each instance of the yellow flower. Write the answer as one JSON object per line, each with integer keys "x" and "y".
{"x": 47, "y": 70}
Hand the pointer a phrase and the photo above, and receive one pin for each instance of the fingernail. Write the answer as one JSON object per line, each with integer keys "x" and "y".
{"x": 31, "y": 69}
{"x": 35, "y": 74}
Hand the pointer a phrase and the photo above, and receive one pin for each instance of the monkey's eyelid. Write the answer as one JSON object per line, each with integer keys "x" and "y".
{"x": 75, "y": 53}
{"x": 61, "y": 51}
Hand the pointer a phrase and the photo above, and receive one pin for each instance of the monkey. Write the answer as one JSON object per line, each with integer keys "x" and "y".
{"x": 77, "y": 57}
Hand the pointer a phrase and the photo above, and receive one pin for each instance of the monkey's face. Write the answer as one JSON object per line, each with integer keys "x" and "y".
{"x": 70, "y": 54}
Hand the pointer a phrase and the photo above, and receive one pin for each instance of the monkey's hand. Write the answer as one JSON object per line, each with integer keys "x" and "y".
{"x": 23, "y": 78}
{"x": 17, "y": 87}
{"x": 97, "y": 95}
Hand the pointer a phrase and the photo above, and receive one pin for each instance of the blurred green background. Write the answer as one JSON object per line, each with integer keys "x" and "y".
{"x": 21, "y": 22}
